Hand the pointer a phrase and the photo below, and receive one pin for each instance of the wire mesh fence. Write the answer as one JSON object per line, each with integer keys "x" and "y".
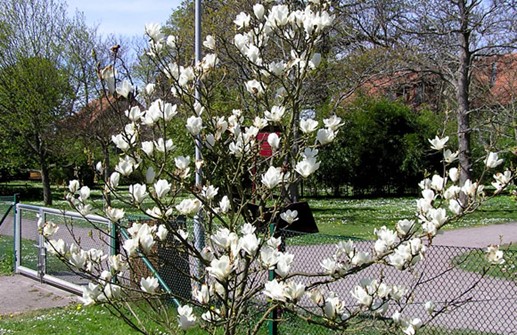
{"x": 481, "y": 298}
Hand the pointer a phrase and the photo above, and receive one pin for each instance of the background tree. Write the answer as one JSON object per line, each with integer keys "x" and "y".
{"x": 55, "y": 49}
{"x": 34, "y": 96}
{"x": 448, "y": 39}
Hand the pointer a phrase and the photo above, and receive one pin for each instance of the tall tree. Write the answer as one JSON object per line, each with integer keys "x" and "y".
{"x": 448, "y": 38}
{"x": 43, "y": 51}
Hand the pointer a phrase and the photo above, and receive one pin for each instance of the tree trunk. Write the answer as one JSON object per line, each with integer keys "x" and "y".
{"x": 45, "y": 180}
{"x": 463, "y": 98}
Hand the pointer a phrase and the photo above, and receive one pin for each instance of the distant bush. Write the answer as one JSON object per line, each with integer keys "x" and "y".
{"x": 381, "y": 141}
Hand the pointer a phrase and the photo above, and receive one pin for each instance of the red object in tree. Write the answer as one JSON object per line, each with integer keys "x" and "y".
{"x": 265, "y": 148}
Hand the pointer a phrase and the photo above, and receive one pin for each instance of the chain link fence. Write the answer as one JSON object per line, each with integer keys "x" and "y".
{"x": 481, "y": 298}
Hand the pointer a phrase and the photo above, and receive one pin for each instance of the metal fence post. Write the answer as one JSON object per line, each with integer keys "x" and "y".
{"x": 273, "y": 316}
{"x": 15, "y": 212}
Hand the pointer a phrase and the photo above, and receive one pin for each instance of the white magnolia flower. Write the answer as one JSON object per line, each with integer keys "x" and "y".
{"x": 73, "y": 185}
{"x": 114, "y": 214}
{"x": 308, "y": 126}
{"x": 162, "y": 145}
{"x": 333, "y": 307}
{"x": 289, "y": 216}
{"x": 438, "y": 143}
{"x": 138, "y": 192}
{"x": 153, "y": 30}
{"x": 283, "y": 265}
{"x": 202, "y": 295}
{"x": 277, "y": 68}
{"x": 449, "y": 156}
{"x": 255, "y": 87}
{"x": 360, "y": 258}
{"x": 117, "y": 263}
{"x": 50, "y": 228}
{"x": 333, "y": 122}
{"x": 126, "y": 166}
{"x": 494, "y": 255}
{"x": 362, "y": 296}
{"x": 150, "y": 175}
{"x": 224, "y": 238}
{"x": 186, "y": 317}
{"x": 316, "y": 296}
{"x": 220, "y": 268}
{"x": 249, "y": 243}
{"x": 274, "y": 141}
{"x": 148, "y": 147}
{"x": 131, "y": 246}
{"x": 209, "y": 42}
{"x": 454, "y": 174}
{"x": 242, "y": 20}
{"x": 405, "y": 227}
{"x": 125, "y": 88}
{"x": 58, "y": 247}
{"x": 275, "y": 290}
{"x": 278, "y": 16}
{"x": 189, "y": 206}
{"x": 272, "y": 177}
{"x": 455, "y": 206}
{"x": 325, "y": 136}
{"x": 492, "y": 160}
{"x": 437, "y": 183}
{"x": 331, "y": 266}
{"x": 149, "y": 284}
{"x": 149, "y": 89}
{"x": 91, "y": 293}
{"x": 134, "y": 114}
{"x": 276, "y": 114}
{"x": 224, "y": 204}
{"x": 194, "y": 125}
{"x": 294, "y": 291}
{"x": 258, "y": 10}
{"x": 248, "y": 228}
{"x": 79, "y": 259}
{"x": 84, "y": 193}
{"x": 209, "y": 192}
{"x": 181, "y": 162}
{"x": 307, "y": 167}
{"x": 162, "y": 187}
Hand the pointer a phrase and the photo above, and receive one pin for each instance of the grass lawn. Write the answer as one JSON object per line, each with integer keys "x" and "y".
{"x": 475, "y": 261}
{"x": 359, "y": 217}
{"x": 72, "y": 320}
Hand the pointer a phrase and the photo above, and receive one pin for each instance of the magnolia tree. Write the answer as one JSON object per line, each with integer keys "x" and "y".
{"x": 242, "y": 271}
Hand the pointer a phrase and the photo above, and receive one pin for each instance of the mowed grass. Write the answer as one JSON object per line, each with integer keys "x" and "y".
{"x": 359, "y": 217}
{"x": 72, "y": 320}
{"x": 475, "y": 261}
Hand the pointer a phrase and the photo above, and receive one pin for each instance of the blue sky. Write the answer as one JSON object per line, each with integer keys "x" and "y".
{"x": 123, "y": 17}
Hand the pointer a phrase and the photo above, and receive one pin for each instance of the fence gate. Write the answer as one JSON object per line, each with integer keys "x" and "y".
{"x": 31, "y": 256}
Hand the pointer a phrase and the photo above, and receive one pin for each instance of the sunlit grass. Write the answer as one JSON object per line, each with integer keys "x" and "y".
{"x": 359, "y": 217}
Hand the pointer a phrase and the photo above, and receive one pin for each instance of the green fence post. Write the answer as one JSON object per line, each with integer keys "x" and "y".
{"x": 273, "y": 316}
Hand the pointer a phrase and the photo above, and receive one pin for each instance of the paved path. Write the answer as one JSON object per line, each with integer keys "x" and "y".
{"x": 19, "y": 294}
{"x": 478, "y": 237}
